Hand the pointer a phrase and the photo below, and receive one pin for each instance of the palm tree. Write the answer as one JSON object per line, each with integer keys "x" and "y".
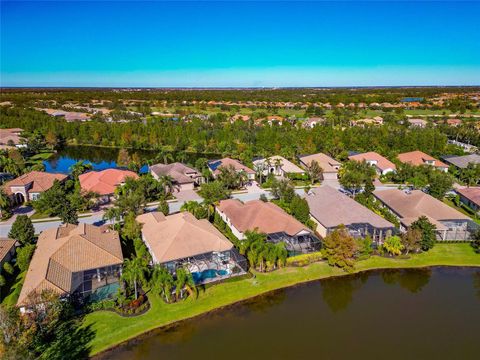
{"x": 162, "y": 282}
{"x": 134, "y": 272}
{"x": 278, "y": 165}
{"x": 79, "y": 168}
{"x": 168, "y": 184}
{"x": 4, "y": 201}
{"x": 259, "y": 169}
{"x": 185, "y": 281}
{"x": 112, "y": 214}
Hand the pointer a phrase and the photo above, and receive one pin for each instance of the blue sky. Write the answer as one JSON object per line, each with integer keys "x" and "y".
{"x": 239, "y": 43}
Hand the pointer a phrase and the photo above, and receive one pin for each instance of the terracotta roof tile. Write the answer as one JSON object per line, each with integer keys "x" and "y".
{"x": 106, "y": 181}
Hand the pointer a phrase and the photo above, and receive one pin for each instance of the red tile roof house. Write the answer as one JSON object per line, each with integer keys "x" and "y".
{"x": 185, "y": 177}
{"x": 269, "y": 219}
{"x": 420, "y": 123}
{"x": 29, "y": 186}
{"x": 74, "y": 259}
{"x": 10, "y": 138}
{"x": 382, "y": 165}
{"x": 418, "y": 158}
{"x": 104, "y": 182}
{"x": 470, "y": 196}
{"x": 215, "y": 165}
{"x": 408, "y": 206}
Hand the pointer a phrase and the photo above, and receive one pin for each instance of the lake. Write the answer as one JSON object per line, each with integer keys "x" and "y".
{"x": 105, "y": 158}
{"x": 397, "y": 314}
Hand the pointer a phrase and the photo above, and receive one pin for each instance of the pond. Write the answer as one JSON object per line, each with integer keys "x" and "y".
{"x": 105, "y": 158}
{"x": 398, "y": 314}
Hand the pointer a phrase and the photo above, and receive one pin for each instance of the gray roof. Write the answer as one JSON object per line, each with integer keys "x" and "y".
{"x": 332, "y": 208}
{"x": 463, "y": 161}
{"x": 181, "y": 173}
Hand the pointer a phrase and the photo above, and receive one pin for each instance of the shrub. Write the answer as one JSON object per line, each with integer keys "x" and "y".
{"x": 304, "y": 259}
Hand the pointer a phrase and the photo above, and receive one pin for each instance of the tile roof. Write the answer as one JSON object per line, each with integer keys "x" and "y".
{"x": 68, "y": 249}
{"x": 5, "y": 246}
{"x": 13, "y": 135}
{"x": 256, "y": 214}
{"x": 106, "y": 181}
{"x": 471, "y": 193}
{"x": 418, "y": 158}
{"x": 40, "y": 181}
{"x": 332, "y": 208}
{"x": 409, "y": 206}
{"x": 214, "y": 165}
{"x": 180, "y": 236}
{"x": 463, "y": 161}
{"x": 328, "y": 164}
{"x": 286, "y": 165}
{"x": 381, "y": 162}
{"x": 181, "y": 173}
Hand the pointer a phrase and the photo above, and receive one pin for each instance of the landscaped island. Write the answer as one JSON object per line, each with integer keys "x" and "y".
{"x": 112, "y": 329}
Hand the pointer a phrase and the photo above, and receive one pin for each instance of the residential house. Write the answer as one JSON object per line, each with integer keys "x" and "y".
{"x": 184, "y": 177}
{"x": 269, "y": 219}
{"x": 329, "y": 165}
{"x": 466, "y": 147}
{"x": 462, "y": 162}
{"x": 420, "y": 123}
{"x": 382, "y": 165}
{"x": 7, "y": 251}
{"x": 408, "y": 206}
{"x": 29, "y": 186}
{"x": 376, "y": 121}
{"x": 11, "y": 138}
{"x": 181, "y": 240}
{"x": 470, "y": 196}
{"x": 310, "y": 123}
{"x": 278, "y": 166}
{"x": 104, "y": 182}
{"x": 418, "y": 158}
{"x": 239, "y": 117}
{"x": 81, "y": 260}
{"x": 215, "y": 166}
{"x": 330, "y": 209}
{"x": 454, "y": 122}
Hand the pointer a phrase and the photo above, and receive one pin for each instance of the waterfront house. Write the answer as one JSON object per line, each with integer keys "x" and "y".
{"x": 382, "y": 165}
{"x": 79, "y": 260}
{"x": 181, "y": 240}
{"x": 470, "y": 196}
{"x": 29, "y": 186}
{"x": 409, "y": 205}
{"x": 418, "y": 158}
{"x": 215, "y": 166}
{"x": 462, "y": 162}
{"x": 184, "y": 177}
{"x": 103, "y": 183}
{"x": 329, "y": 209}
{"x": 269, "y": 219}
{"x": 278, "y": 166}
{"x": 7, "y": 251}
{"x": 329, "y": 165}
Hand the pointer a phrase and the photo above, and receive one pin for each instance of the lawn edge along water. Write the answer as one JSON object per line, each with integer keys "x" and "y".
{"x": 112, "y": 330}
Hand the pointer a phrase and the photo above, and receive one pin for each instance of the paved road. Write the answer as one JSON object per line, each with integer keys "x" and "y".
{"x": 97, "y": 218}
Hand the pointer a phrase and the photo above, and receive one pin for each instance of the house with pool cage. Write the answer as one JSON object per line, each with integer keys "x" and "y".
{"x": 84, "y": 261}
{"x": 181, "y": 240}
{"x": 271, "y": 220}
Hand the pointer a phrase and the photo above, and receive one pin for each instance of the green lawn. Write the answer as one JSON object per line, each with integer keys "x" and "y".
{"x": 111, "y": 329}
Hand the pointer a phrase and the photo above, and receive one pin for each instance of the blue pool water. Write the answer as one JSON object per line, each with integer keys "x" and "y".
{"x": 199, "y": 277}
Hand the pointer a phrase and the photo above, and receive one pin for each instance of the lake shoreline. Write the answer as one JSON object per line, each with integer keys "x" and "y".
{"x": 103, "y": 353}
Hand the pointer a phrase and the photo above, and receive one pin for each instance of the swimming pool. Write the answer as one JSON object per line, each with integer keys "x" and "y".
{"x": 200, "y": 277}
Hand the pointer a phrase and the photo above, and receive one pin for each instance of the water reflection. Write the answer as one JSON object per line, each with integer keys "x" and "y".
{"x": 104, "y": 157}
{"x": 338, "y": 292}
{"x": 413, "y": 280}
{"x": 476, "y": 283}
{"x": 266, "y": 302}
